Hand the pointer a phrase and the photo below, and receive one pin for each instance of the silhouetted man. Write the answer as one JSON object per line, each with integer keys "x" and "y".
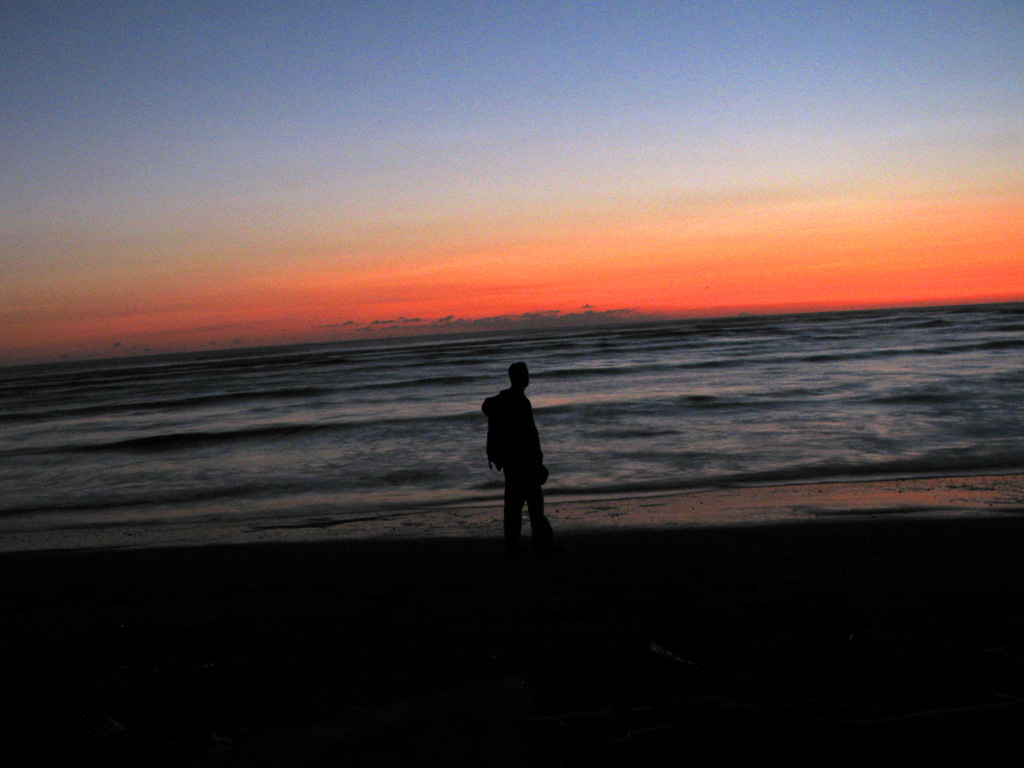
{"x": 513, "y": 445}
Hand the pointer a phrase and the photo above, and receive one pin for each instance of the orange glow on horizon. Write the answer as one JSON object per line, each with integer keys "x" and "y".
{"x": 840, "y": 255}
{"x": 832, "y": 254}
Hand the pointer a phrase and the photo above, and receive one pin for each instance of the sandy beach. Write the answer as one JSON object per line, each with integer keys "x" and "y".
{"x": 831, "y": 640}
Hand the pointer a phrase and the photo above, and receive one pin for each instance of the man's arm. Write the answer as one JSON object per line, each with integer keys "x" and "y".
{"x": 534, "y": 435}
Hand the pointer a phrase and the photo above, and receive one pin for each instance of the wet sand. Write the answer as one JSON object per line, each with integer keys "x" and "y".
{"x": 832, "y": 641}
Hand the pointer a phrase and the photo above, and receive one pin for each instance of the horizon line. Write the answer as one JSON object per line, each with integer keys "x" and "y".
{"x": 588, "y": 318}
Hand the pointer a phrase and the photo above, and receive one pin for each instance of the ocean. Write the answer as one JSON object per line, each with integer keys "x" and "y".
{"x": 333, "y": 434}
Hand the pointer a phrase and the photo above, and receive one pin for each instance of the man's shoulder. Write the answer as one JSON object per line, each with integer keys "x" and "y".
{"x": 515, "y": 397}
{"x": 507, "y": 401}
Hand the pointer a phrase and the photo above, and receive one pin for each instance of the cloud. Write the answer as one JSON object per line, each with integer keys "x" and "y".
{"x": 539, "y": 320}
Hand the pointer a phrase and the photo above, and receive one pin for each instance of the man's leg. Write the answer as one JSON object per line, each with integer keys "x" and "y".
{"x": 513, "y": 521}
{"x": 540, "y": 528}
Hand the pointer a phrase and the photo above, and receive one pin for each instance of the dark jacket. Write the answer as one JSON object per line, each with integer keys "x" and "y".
{"x": 512, "y": 437}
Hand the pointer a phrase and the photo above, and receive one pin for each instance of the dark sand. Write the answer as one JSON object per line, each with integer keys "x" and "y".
{"x": 832, "y": 642}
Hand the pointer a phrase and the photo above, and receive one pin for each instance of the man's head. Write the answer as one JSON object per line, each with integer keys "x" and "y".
{"x": 519, "y": 375}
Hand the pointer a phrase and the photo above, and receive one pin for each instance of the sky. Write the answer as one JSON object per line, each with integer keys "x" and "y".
{"x": 180, "y": 175}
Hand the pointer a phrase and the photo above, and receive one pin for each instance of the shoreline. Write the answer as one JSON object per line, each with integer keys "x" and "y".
{"x": 942, "y": 496}
{"x": 781, "y": 644}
